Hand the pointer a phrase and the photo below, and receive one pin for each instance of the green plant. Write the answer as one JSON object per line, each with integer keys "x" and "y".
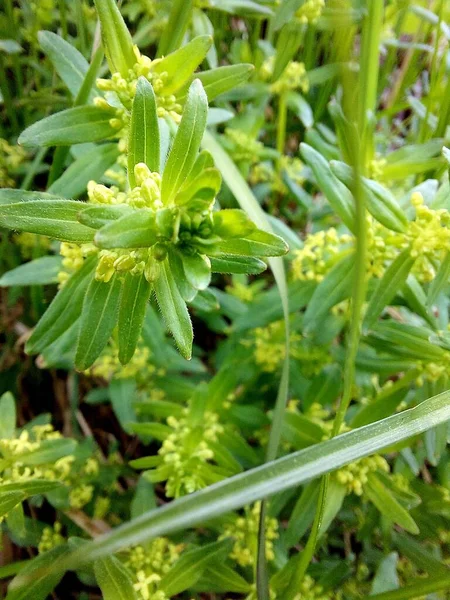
{"x": 301, "y": 451}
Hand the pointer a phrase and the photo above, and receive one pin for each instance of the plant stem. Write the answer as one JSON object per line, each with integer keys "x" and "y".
{"x": 28, "y": 179}
{"x": 425, "y": 128}
{"x": 281, "y": 123}
{"x": 63, "y": 16}
{"x": 359, "y": 155}
{"x": 7, "y": 98}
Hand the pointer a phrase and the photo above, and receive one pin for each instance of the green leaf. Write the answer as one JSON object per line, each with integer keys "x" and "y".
{"x": 98, "y": 319}
{"x": 15, "y": 522}
{"x": 8, "y": 500}
{"x": 173, "y": 33}
{"x": 48, "y": 451}
{"x": 188, "y": 568}
{"x": 232, "y": 222}
{"x": 419, "y": 588}
{"x": 226, "y": 263}
{"x": 41, "y": 586}
{"x": 143, "y": 144}
{"x": 334, "y": 288}
{"x": 265, "y": 480}
{"x": 258, "y": 243}
{"x": 386, "y": 577}
{"x": 337, "y": 194}
{"x": 221, "y": 80}
{"x": 222, "y": 578}
{"x": 180, "y": 65}
{"x": 71, "y": 126}
{"x": 116, "y": 37}
{"x": 174, "y": 310}
{"x": 123, "y": 393}
{"x": 197, "y": 269}
{"x": 187, "y": 141}
{"x": 54, "y": 218}
{"x": 133, "y": 304}
{"x": 63, "y": 311}
{"x": 440, "y": 281}
{"x": 101, "y": 214}
{"x": 209, "y": 179}
{"x": 8, "y": 419}
{"x": 13, "y": 196}
{"x": 136, "y": 230}
{"x": 380, "y": 202}
{"x": 250, "y": 204}
{"x": 379, "y": 495}
{"x": 91, "y": 165}
{"x": 114, "y": 579}
{"x": 392, "y": 281}
{"x": 144, "y": 498}
{"x": 70, "y": 64}
{"x": 41, "y": 271}
{"x": 34, "y": 487}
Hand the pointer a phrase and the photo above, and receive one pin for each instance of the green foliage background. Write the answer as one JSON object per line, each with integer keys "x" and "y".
{"x": 224, "y": 341}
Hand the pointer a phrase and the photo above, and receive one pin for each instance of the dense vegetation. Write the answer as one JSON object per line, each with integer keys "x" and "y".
{"x": 224, "y": 299}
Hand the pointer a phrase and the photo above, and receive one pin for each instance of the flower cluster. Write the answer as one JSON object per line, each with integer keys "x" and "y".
{"x": 243, "y": 529}
{"x": 355, "y": 475}
{"x": 294, "y": 77}
{"x": 11, "y": 158}
{"x": 186, "y": 459}
{"x": 265, "y": 172}
{"x": 50, "y": 538}
{"x": 140, "y": 367}
{"x": 149, "y": 564}
{"x": 427, "y": 237}
{"x": 120, "y": 92}
{"x": 242, "y": 146}
{"x": 269, "y": 349}
{"x": 310, "y": 11}
{"x": 320, "y": 252}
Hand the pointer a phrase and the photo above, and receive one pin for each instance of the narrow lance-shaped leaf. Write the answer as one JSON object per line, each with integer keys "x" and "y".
{"x": 174, "y": 310}
{"x": 114, "y": 579}
{"x": 265, "y": 480}
{"x": 64, "y": 310}
{"x": 39, "y": 588}
{"x": 187, "y": 142}
{"x": 227, "y": 263}
{"x": 98, "y": 318}
{"x": 197, "y": 270}
{"x": 143, "y": 144}
{"x": 334, "y": 288}
{"x": 257, "y": 243}
{"x": 54, "y": 218}
{"x": 334, "y": 190}
{"x": 440, "y": 281}
{"x": 179, "y": 18}
{"x": 116, "y": 37}
{"x": 221, "y": 80}
{"x": 98, "y": 215}
{"x": 91, "y": 165}
{"x": 135, "y": 296}
{"x": 380, "y": 202}
{"x": 136, "y": 230}
{"x": 379, "y": 495}
{"x": 188, "y": 568}
{"x": 9, "y": 500}
{"x": 41, "y": 271}
{"x": 72, "y": 126}
{"x": 69, "y": 63}
{"x": 392, "y": 281}
{"x": 8, "y": 417}
{"x": 180, "y": 65}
